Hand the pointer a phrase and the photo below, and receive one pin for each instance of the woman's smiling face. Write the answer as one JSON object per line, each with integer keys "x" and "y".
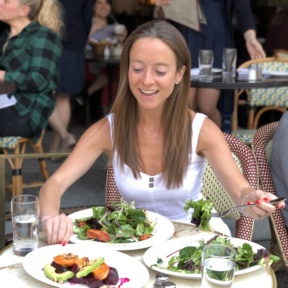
{"x": 152, "y": 72}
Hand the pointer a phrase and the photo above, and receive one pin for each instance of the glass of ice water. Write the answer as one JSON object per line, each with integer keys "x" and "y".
{"x": 205, "y": 62}
{"x": 218, "y": 266}
{"x": 25, "y": 212}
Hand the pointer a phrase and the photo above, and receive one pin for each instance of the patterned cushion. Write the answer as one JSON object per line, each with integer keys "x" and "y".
{"x": 213, "y": 190}
{"x": 270, "y": 96}
{"x": 9, "y": 142}
{"x": 245, "y": 135}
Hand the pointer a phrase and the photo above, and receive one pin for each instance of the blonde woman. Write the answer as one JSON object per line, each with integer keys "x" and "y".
{"x": 30, "y": 50}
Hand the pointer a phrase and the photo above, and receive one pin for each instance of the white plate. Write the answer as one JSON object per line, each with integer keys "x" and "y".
{"x": 278, "y": 73}
{"x": 34, "y": 262}
{"x": 151, "y": 256}
{"x": 163, "y": 230}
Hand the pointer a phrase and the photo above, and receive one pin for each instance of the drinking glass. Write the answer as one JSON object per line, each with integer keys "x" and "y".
{"x": 25, "y": 212}
{"x": 205, "y": 61}
{"x": 229, "y": 59}
{"x": 218, "y": 266}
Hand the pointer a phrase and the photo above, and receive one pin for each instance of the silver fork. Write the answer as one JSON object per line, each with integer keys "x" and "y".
{"x": 226, "y": 212}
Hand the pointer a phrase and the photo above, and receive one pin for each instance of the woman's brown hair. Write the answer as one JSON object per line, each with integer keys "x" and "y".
{"x": 176, "y": 120}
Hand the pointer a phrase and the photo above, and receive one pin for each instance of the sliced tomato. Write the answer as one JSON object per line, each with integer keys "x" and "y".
{"x": 81, "y": 223}
{"x": 101, "y": 272}
{"x": 99, "y": 235}
{"x": 144, "y": 237}
{"x": 65, "y": 260}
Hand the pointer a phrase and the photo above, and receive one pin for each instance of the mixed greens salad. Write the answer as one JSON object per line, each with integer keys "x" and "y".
{"x": 116, "y": 223}
{"x": 188, "y": 259}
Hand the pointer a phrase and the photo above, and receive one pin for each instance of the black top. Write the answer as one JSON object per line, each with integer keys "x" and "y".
{"x": 243, "y": 11}
{"x": 77, "y": 20}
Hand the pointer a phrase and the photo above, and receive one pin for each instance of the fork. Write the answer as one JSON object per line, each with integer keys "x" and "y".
{"x": 226, "y": 212}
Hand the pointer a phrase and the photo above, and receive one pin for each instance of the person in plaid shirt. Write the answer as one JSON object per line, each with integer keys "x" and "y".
{"x": 30, "y": 51}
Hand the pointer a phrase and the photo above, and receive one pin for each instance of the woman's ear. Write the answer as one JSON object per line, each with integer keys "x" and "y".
{"x": 180, "y": 74}
{"x": 24, "y": 10}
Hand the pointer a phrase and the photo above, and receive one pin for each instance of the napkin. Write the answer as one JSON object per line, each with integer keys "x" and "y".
{"x": 243, "y": 73}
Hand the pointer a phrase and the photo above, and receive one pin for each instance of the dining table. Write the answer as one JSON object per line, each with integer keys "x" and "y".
{"x": 12, "y": 272}
{"x": 228, "y": 84}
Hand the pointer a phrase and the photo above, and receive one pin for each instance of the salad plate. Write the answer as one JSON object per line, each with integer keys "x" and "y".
{"x": 135, "y": 272}
{"x": 163, "y": 230}
{"x": 278, "y": 73}
{"x": 161, "y": 251}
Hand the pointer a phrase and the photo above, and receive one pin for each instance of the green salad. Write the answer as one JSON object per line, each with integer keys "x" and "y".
{"x": 188, "y": 259}
{"x": 115, "y": 223}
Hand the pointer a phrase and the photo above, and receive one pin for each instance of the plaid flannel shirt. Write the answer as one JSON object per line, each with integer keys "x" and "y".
{"x": 31, "y": 62}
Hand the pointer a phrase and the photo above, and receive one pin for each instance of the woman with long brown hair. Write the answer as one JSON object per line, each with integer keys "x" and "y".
{"x": 156, "y": 144}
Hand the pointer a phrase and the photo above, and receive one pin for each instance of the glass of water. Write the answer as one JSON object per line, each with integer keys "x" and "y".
{"x": 229, "y": 60}
{"x": 218, "y": 266}
{"x": 205, "y": 62}
{"x": 25, "y": 212}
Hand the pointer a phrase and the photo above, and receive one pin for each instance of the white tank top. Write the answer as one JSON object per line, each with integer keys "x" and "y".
{"x": 150, "y": 191}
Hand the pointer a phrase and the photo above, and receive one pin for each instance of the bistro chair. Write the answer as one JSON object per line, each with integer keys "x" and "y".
{"x": 259, "y": 101}
{"x": 262, "y": 147}
{"x": 18, "y": 146}
{"x": 212, "y": 189}
{"x": 281, "y": 54}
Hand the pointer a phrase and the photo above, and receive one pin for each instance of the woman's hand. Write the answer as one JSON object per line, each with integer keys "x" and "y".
{"x": 262, "y": 208}
{"x": 59, "y": 229}
{"x": 253, "y": 46}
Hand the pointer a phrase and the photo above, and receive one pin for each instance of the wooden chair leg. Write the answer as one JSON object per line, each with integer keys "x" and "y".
{"x": 39, "y": 149}
{"x": 17, "y": 179}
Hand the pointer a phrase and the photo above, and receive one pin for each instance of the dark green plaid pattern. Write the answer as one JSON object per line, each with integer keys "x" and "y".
{"x": 31, "y": 62}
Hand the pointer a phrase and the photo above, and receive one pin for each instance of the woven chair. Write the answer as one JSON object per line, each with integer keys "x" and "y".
{"x": 212, "y": 188}
{"x": 18, "y": 146}
{"x": 259, "y": 101}
{"x": 262, "y": 147}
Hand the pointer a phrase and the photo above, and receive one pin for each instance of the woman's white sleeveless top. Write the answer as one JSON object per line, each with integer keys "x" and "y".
{"x": 150, "y": 191}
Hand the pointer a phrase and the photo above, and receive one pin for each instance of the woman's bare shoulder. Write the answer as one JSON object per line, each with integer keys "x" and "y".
{"x": 98, "y": 135}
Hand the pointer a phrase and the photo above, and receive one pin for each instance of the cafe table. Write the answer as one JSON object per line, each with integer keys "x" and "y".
{"x": 12, "y": 272}
{"x": 228, "y": 84}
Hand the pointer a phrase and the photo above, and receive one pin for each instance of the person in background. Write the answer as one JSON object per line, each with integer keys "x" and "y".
{"x": 77, "y": 23}
{"x": 29, "y": 56}
{"x": 279, "y": 161}
{"x": 152, "y": 137}
{"x": 102, "y": 30}
{"x": 216, "y": 35}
